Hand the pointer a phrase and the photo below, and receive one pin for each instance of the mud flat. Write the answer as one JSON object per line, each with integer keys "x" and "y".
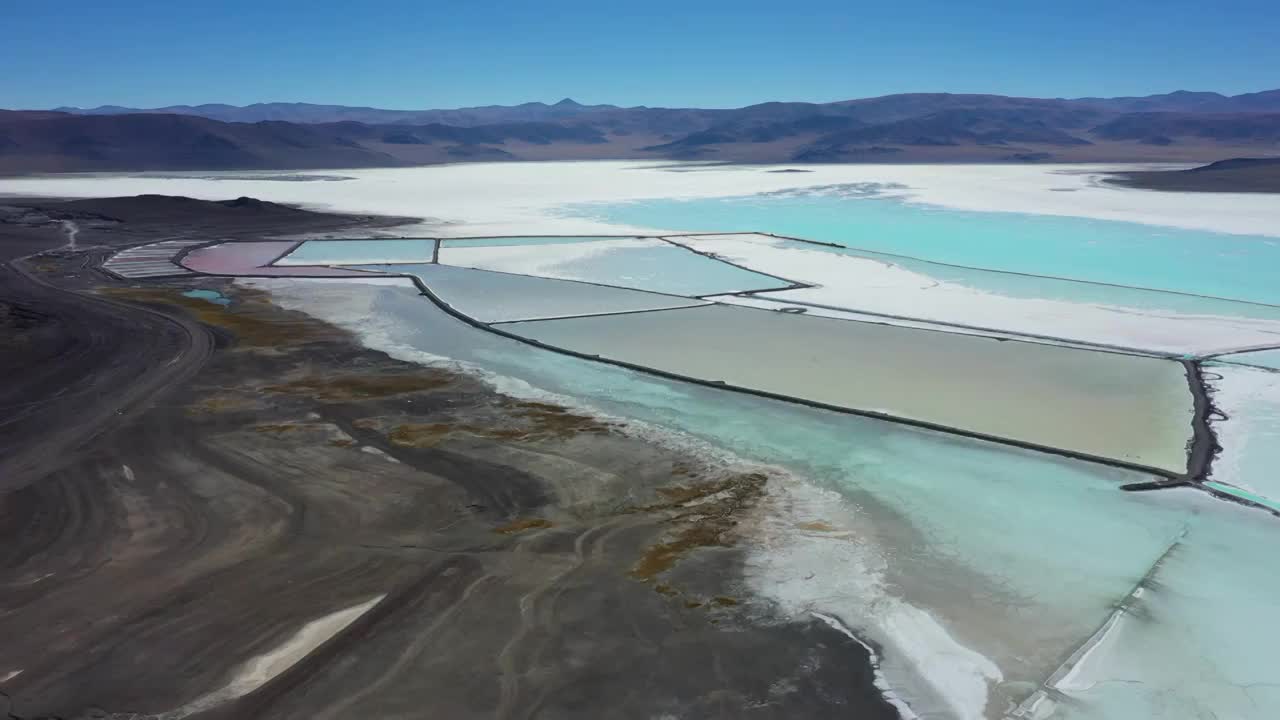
{"x": 227, "y": 509}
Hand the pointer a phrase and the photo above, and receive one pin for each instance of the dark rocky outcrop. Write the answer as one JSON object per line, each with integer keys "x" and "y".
{"x": 1234, "y": 175}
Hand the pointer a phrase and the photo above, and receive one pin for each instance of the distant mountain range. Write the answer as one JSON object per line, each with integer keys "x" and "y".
{"x": 936, "y": 127}
{"x": 309, "y": 113}
{"x": 892, "y": 105}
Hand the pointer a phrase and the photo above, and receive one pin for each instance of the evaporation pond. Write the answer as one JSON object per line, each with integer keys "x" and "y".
{"x": 500, "y": 297}
{"x": 360, "y": 252}
{"x": 252, "y": 258}
{"x": 1195, "y": 261}
{"x": 1072, "y": 310}
{"x": 1130, "y": 408}
{"x": 637, "y": 263}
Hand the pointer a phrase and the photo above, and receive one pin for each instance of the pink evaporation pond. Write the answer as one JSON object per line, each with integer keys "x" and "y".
{"x": 254, "y": 258}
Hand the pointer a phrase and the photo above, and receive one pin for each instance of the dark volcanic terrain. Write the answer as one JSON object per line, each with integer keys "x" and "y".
{"x": 236, "y": 511}
{"x": 922, "y": 127}
{"x": 1238, "y": 175}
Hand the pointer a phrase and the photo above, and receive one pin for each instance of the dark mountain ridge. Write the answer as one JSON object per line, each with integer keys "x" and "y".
{"x": 1247, "y": 127}
{"x": 917, "y": 127}
{"x": 876, "y": 109}
{"x": 312, "y": 113}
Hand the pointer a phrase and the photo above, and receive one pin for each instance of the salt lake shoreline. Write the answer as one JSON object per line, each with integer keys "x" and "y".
{"x": 508, "y": 503}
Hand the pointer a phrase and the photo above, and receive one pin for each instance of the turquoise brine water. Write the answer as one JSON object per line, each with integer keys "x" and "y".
{"x": 1088, "y": 292}
{"x": 1241, "y": 267}
{"x": 978, "y": 535}
{"x": 1269, "y": 359}
{"x": 212, "y": 296}
{"x": 1199, "y": 642}
{"x": 1245, "y": 495}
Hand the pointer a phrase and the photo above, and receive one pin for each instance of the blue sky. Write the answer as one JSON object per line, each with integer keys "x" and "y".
{"x": 437, "y": 53}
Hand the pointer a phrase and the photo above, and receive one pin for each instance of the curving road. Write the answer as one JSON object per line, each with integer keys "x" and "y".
{"x": 82, "y": 365}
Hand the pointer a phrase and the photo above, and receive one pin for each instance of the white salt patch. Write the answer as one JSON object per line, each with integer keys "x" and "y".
{"x": 961, "y": 676}
{"x": 35, "y": 580}
{"x": 259, "y": 670}
{"x": 525, "y": 198}
{"x": 904, "y": 711}
{"x": 1079, "y": 677}
{"x": 1250, "y": 433}
{"x": 256, "y": 672}
{"x": 379, "y": 452}
{"x": 806, "y": 573}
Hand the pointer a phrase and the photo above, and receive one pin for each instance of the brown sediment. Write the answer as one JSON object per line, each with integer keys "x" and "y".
{"x": 342, "y": 443}
{"x": 418, "y": 435}
{"x": 253, "y": 320}
{"x": 679, "y": 496}
{"x": 523, "y": 524}
{"x": 817, "y": 526}
{"x": 539, "y": 422}
{"x": 224, "y": 402}
{"x": 344, "y": 388}
{"x": 276, "y": 428}
{"x": 682, "y": 468}
{"x": 693, "y": 603}
{"x": 558, "y": 422}
{"x": 663, "y": 556}
{"x": 708, "y": 523}
{"x": 540, "y": 406}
